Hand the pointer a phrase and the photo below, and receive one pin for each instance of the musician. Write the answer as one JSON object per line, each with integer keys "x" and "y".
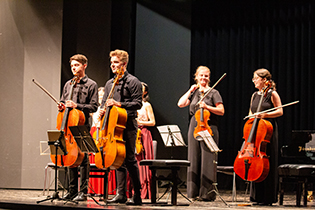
{"x": 202, "y": 170}
{"x": 127, "y": 95}
{"x": 85, "y": 98}
{"x": 265, "y": 192}
{"x": 145, "y": 119}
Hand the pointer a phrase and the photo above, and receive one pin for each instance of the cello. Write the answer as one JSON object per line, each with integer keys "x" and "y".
{"x": 111, "y": 146}
{"x": 68, "y": 117}
{"x": 252, "y": 162}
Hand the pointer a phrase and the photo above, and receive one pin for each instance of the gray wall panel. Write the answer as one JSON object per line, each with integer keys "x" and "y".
{"x": 30, "y": 48}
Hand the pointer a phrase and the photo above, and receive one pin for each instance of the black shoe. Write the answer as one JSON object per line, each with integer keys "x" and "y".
{"x": 80, "y": 197}
{"x": 118, "y": 199}
{"x": 135, "y": 200}
{"x": 68, "y": 196}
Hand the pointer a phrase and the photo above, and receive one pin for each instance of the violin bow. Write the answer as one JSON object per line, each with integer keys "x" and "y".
{"x": 268, "y": 110}
{"x": 222, "y": 77}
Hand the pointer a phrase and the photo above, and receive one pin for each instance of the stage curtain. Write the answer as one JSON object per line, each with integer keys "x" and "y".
{"x": 238, "y": 37}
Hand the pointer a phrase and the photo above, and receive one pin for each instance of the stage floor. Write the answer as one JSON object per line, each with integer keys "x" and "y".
{"x": 27, "y": 199}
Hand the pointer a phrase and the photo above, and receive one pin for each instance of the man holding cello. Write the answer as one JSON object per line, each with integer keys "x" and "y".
{"x": 84, "y": 98}
{"x": 127, "y": 94}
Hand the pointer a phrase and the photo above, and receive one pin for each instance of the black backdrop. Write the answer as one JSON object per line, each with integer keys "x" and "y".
{"x": 238, "y": 37}
{"x": 233, "y": 37}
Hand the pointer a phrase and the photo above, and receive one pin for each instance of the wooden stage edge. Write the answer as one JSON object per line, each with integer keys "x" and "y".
{"x": 27, "y": 199}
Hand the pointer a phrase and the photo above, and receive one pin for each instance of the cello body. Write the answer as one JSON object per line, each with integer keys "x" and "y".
{"x": 252, "y": 162}
{"x": 111, "y": 146}
{"x": 74, "y": 157}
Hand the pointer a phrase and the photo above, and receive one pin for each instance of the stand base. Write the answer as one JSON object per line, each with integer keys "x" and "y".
{"x": 169, "y": 190}
{"x": 217, "y": 193}
{"x": 55, "y": 196}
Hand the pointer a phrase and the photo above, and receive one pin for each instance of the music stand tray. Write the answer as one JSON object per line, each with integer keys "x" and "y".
{"x": 171, "y": 135}
{"x": 83, "y": 138}
{"x": 53, "y": 136}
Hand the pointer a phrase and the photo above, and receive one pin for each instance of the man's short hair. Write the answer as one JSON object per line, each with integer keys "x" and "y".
{"x": 80, "y": 58}
{"x": 121, "y": 54}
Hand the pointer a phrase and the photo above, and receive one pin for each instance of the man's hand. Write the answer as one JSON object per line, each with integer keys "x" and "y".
{"x": 61, "y": 107}
{"x": 71, "y": 104}
{"x": 112, "y": 102}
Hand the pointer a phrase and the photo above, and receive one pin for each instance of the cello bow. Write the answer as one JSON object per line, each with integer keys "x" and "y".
{"x": 46, "y": 91}
{"x": 274, "y": 108}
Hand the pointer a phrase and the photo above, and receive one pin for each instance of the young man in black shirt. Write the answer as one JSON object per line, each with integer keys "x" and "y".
{"x": 128, "y": 95}
{"x": 85, "y": 99}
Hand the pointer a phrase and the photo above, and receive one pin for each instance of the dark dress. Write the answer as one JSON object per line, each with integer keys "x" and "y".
{"x": 265, "y": 192}
{"x": 202, "y": 171}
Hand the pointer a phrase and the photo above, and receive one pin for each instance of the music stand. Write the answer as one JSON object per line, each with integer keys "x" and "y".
{"x": 56, "y": 141}
{"x": 207, "y": 138}
{"x": 171, "y": 136}
{"x": 85, "y": 142}
{"x": 83, "y": 138}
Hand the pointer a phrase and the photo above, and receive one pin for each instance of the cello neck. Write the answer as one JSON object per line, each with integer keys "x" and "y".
{"x": 119, "y": 75}
{"x": 256, "y": 120}
{"x": 66, "y": 112}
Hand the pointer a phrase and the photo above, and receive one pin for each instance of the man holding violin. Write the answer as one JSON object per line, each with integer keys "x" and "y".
{"x": 85, "y": 99}
{"x": 128, "y": 95}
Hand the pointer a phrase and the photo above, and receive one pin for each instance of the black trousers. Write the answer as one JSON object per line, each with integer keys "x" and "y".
{"x": 84, "y": 176}
{"x": 130, "y": 163}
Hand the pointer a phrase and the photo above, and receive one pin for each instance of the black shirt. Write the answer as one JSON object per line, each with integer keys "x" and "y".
{"x": 85, "y": 95}
{"x": 211, "y": 99}
{"x": 128, "y": 92}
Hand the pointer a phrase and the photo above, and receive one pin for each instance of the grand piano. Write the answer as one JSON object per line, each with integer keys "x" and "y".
{"x": 299, "y": 156}
{"x": 301, "y": 149}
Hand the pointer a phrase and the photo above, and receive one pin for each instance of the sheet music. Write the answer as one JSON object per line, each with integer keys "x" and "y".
{"x": 209, "y": 141}
{"x": 171, "y": 135}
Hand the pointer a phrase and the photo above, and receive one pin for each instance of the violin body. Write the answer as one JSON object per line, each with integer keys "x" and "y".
{"x": 74, "y": 157}
{"x": 202, "y": 116}
{"x": 139, "y": 146}
{"x": 111, "y": 146}
{"x": 252, "y": 162}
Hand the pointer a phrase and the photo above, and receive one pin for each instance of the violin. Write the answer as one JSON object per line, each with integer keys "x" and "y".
{"x": 252, "y": 162}
{"x": 111, "y": 146}
{"x": 139, "y": 146}
{"x": 68, "y": 117}
{"x": 202, "y": 116}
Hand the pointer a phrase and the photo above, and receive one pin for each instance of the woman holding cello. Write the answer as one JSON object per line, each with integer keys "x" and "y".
{"x": 202, "y": 171}
{"x": 265, "y": 192}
